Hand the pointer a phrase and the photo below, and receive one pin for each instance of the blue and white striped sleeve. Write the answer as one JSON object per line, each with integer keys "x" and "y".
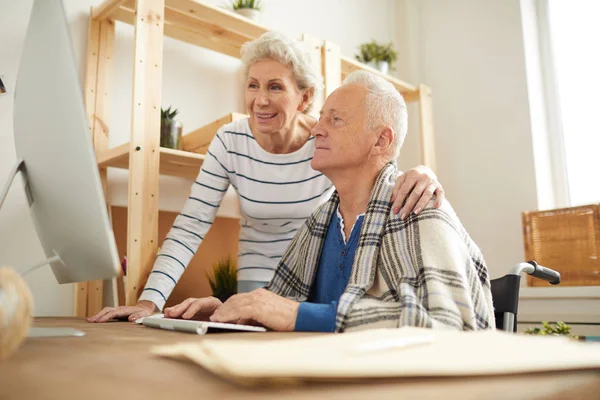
{"x": 191, "y": 225}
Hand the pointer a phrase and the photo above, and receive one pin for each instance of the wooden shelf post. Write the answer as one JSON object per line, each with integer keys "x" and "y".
{"x": 427, "y": 137}
{"x": 142, "y": 235}
{"x": 316, "y": 47}
{"x": 100, "y": 51}
{"x": 332, "y": 67}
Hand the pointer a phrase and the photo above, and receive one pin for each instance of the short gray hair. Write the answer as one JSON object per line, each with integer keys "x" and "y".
{"x": 295, "y": 54}
{"x": 384, "y": 105}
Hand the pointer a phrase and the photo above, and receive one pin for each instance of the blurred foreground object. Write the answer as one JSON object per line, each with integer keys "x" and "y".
{"x": 16, "y": 306}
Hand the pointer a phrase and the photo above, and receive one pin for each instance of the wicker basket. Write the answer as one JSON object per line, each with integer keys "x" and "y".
{"x": 566, "y": 240}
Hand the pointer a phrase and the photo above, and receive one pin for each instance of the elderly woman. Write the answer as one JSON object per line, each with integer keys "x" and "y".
{"x": 266, "y": 158}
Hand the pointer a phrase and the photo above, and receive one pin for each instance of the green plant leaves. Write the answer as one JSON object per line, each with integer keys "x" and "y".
{"x": 168, "y": 114}
{"x": 253, "y": 4}
{"x": 373, "y": 51}
{"x": 223, "y": 283}
{"x": 560, "y": 328}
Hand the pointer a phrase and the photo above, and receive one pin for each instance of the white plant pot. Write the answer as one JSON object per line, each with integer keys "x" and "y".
{"x": 249, "y": 13}
{"x": 381, "y": 66}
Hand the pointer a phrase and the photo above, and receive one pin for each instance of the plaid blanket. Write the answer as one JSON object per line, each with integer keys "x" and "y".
{"x": 424, "y": 271}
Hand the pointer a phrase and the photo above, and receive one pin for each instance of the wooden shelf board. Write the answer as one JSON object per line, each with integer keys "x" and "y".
{"x": 409, "y": 91}
{"x": 222, "y": 31}
{"x": 198, "y": 140}
{"x": 106, "y": 9}
{"x": 198, "y": 24}
{"x": 172, "y": 162}
{"x": 219, "y": 17}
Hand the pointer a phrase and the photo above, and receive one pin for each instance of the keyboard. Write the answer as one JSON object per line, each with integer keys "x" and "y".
{"x": 197, "y": 327}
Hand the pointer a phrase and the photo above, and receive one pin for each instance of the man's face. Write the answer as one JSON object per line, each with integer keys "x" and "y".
{"x": 341, "y": 141}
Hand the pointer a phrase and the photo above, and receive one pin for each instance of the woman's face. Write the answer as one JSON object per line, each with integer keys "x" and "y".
{"x": 273, "y": 99}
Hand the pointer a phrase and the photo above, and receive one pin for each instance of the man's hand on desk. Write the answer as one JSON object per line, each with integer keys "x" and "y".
{"x": 198, "y": 309}
{"x": 142, "y": 309}
{"x": 260, "y": 306}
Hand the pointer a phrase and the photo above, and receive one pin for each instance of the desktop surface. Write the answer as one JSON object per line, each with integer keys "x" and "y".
{"x": 113, "y": 360}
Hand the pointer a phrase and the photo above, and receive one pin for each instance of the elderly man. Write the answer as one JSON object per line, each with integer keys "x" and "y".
{"x": 355, "y": 264}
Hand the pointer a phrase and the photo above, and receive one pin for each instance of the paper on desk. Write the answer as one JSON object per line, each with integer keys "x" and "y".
{"x": 332, "y": 356}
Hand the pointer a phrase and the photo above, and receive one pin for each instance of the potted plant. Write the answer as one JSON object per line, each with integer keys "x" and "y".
{"x": 170, "y": 129}
{"x": 380, "y": 57}
{"x": 247, "y": 8}
{"x": 560, "y": 329}
{"x": 223, "y": 283}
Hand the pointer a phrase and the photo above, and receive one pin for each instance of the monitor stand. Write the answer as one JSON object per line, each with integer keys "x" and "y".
{"x": 36, "y": 331}
{"x": 18, "y": 167}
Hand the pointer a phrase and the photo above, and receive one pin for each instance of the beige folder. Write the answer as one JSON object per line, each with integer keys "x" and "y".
{"x": 339, "y": 356}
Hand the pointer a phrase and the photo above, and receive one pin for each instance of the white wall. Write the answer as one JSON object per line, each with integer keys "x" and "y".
{"x": 470, "y": 52}
{"x": 204, "y": 85}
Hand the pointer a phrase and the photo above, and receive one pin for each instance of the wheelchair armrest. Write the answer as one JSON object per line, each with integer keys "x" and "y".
{"x": 545, "y": 273}
{"x": 538, "y": 271}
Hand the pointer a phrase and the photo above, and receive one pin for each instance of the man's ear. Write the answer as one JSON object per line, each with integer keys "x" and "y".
{"x": 385, "y": 138}
{"x": 307, "y": 96}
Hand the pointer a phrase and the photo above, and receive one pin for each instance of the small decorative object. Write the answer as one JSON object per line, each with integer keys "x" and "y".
{"x": 377, "y": 56}
{"x": 247, "y": 8}
{"x": 224, "y": 280}
{"x": 560, "y": 329}
{"x": 16, "y": 306}
{"x": 124, "y": 265}
{"x": 2, "y": 87}
{"x": 170, "y": 130}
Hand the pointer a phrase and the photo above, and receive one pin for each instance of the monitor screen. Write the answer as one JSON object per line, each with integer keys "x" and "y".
{"x": 53, "y": 139}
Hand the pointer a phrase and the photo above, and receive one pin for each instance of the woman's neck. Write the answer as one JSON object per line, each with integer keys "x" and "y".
{"x": 289, "y": 140}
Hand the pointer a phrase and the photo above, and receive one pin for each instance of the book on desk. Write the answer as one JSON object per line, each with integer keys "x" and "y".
{"x": 333, "y": 357}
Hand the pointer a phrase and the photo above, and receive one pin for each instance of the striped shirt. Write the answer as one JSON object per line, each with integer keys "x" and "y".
{"x": 277, "y": 193}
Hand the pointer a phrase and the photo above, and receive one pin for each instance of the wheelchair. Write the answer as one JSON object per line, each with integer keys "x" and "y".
{"x": 505, "y": 292}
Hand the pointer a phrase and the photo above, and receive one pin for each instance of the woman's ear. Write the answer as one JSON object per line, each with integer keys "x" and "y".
{"x": 307, "y": 96}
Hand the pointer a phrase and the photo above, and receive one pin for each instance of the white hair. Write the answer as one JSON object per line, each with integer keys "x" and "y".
{"x": 384, "y": 105}
{"x": 276, "y": 46}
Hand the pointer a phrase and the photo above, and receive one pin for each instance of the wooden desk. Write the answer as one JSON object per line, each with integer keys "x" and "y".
{"x": 113, "y": 362}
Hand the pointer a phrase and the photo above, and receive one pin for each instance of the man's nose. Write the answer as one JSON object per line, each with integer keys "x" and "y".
{"x": 317, "y": 130}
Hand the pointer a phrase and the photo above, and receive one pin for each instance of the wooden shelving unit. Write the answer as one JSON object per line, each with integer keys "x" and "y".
{"x": 172, "y": 162}
{"x": 202, "y": 25}
{"x": 184, "y": 163}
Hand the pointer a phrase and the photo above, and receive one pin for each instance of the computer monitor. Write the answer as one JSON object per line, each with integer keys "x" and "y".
{"x": 55, "y": 154}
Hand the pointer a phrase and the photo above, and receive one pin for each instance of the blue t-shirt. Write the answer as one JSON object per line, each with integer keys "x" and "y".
{"x": 333, "y": 273}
